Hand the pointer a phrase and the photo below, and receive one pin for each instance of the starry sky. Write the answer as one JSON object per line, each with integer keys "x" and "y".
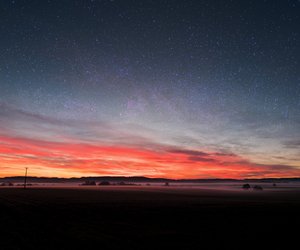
{"x": 176, "y": 89}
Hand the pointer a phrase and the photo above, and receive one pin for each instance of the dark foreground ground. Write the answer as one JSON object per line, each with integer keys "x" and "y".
{"x": 147, "y": 218}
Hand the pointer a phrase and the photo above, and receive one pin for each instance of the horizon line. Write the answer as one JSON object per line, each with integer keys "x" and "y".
{"x": 151, "y": 178}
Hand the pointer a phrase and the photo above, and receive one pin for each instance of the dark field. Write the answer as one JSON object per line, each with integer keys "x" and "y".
{"x": 147, "y": 218}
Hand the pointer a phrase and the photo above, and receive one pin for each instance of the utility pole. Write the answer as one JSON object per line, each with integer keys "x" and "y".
{"x": 25, "y": 178}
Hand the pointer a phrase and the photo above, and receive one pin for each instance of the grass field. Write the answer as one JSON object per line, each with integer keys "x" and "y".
{"x": 146, "y": 217}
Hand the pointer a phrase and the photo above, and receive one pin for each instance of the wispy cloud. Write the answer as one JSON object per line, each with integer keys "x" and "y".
{"x": 88, "y": 159}
{"x": 292, "y": 143}
{"x": 53, "y": 147}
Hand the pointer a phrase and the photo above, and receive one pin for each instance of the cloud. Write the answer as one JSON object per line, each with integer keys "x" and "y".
{"x": 10, "y": 114}
{"x": 73, "y": 158}
{"x": 18, "y": 122}
{"x": 53, "y": 147}
{"x": 201, "y": 159}
{"x": 225, "y": 154}
{"x": 188, "y": 152}
{"x": 292, "y": 143}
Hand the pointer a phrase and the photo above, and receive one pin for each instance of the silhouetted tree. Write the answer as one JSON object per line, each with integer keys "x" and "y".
{"x": 246, "y": 186}
{"x": 104, "y": 183}
{"x": 89, "y": 183}
{"x": 257, "y": 187}
{"x": 6, "y": 184}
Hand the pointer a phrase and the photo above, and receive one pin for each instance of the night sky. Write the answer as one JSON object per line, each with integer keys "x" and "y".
{"x": 177, "y": 89}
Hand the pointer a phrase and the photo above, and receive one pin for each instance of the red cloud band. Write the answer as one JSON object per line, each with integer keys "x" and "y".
{"x": 67, "y": 159}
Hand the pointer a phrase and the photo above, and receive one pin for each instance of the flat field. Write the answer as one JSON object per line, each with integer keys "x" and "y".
{"x": 148, "y": 217}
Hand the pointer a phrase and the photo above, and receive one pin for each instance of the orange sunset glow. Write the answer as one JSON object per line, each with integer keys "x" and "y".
{"x": 71, "y": 159}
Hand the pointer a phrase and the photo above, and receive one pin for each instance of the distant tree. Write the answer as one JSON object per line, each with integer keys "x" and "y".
{"x": 6, "y": 184}
{"x": 104, "y": 183}
{"x": 257, "y": 187}
{"x": 89, "y": 183}
{"x": 246, "y": 186}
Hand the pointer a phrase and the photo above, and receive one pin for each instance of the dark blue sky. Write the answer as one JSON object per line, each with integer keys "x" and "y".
{"x": 214, "y": 76}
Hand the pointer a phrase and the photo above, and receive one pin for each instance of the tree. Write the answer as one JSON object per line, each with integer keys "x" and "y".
{"x": 89, "y": 183}
{"x": 246, "y": 186}
{"x": 257, "y": 187}
{"x": 104, "y": 183}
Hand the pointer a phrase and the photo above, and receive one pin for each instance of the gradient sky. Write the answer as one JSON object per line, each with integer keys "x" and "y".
{"x": 177, "y": 89}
